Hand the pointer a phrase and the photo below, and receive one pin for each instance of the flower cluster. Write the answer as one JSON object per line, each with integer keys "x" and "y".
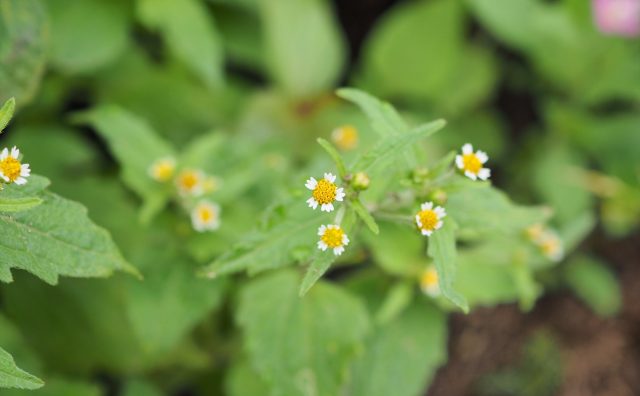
{"x": 191, "y": 184}
{"x": 11, "y": 169}
{"x": 547, "y": 241}
{"x": 324, "y": 193}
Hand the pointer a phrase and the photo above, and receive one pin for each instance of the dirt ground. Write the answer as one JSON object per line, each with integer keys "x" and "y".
{"x": 599, "y": 356}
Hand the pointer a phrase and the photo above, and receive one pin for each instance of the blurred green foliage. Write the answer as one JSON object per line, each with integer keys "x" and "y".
{"x": 241, "y": 91}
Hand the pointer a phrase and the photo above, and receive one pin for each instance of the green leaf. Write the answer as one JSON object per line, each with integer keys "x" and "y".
{"x": 512, "y": 21}
{"x": 384, "y": 118}
{"x": 134, "y": 144}
{"x": 396, "y": 301}
{"x": 399, "y": 64}
{"x": 402, "y": 356}
{"x": 57, "y": 386}
{"x": 272, "y": 249}
{"x": 18, "y": 204}
{"x": 23, "y": 46}
{"x": 81, "y": 44}
{"x": 364, "y": 214}
{"x": 393, "y": 147}
{"x": 406, "y": 262}
{"x": 301, "y": 346}
{"x": 12, "y": 377}
{"x": 320, "y": 264}
{"x": 190, "y": 33}
{"x": 6, "y": 113}
{"x": 304, "y": 48}
{"x": 482, "y": 209}
{"x": 337, "y": 158}
{"x": 55, "y": 238}
{"x": 442, "y": 249}
{"x": 595, "y": 284}
{"x": 242, "y": 380}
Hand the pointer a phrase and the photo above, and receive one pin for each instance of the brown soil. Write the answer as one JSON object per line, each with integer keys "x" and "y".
{"x": 599, "y": 356}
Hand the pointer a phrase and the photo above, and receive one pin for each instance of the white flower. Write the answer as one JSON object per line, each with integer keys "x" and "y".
{"x": 191, "y": 182}
{"x": 471, "y": 163}
{"x": 162, "y": 169}
{"x": 205, "y": 216}
{"x": 429, "y": 282}
{"x": 11, "y": 169}
{"x": 332, "y": 236}
{"x": 345, "y": 137}
{"x": 429, "y": 218}
{"x": 551, "y": 245}
{"x": 324, "y": 192}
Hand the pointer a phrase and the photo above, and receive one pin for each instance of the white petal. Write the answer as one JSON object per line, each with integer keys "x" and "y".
{"x": 3, "y": 176}
{"x": 418, "y": 222}
{"x": 484, "y": 173}
{"x": 467, "y": 149}
{"x": 470, "y": 175}
{"x": 20, "y": 181}
{"x": 338, "y": 251}
{"x": 322, "y": 230}
{"x": 327, "y": 207}
{"x": 459, "y": 162}
{"x": 438, "y": 225}
{"x": 311, "y": 183}
{"x": 482, "y": 156}
{"x": 330, "y": 177}
{"x": 4, "y": 154}
{"x": 322, "y": 246}
{"x": 340, "y": 194}
{"x": 426, "y": 206}
{"x": 440, "y": 212}
{"x": 15, "y": 152}
{"x": 312, "y": 203}
{"x": 25, "y": 170}
{"x": 426, "y": 232}
{"x": 345, "y": 239}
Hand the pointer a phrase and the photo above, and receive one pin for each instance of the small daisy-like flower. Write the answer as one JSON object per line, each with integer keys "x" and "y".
{"x": 471, "y": 163}
{"x": 429, "y": 218}
{"x": 324, "y": 192}
{"x": 191, "y": 182}
{"x": 429, "y": 282}
{"x": 11, "y": 169}
{"x": 332, "y": 237}
{"x": 345, "y": 137}
{"x": 205, "y": 216}
{"x": 162, "y": 169}
{"x": 551, "y": 246}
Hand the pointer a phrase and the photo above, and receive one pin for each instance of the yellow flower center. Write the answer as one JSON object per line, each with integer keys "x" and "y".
{"x": 10, "y": 168}
{"x": 163, "y": 171}
{"x": 428, "y": 219}
{"x": 206, "y": 214}
{"x": 429, "y": 278}
{"x": 345, "y": 137}
{"x": 188, "y": 180}
{"x": 332, "y": 237}
{"x": 550, "y": 246}
{"x": 325, "y": 192}
{"x": 471, "y": 163}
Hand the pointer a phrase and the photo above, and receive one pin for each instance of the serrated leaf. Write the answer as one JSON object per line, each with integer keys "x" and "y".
{"x": 442, "y": 249}
{"x": 6, "y": 113}
{"x": 333, "y": 153}
{"x": 392, "y": 147}
{"x": 23, "y": 44}
{"x": 301, "y": 346}
{"x": 12, "y": 377}
{"x": 402, "y": 356}
{"x": 384, "y": 118}
{"x": 304, "y": 47}
{"x": 134, "y": 144}
{"x": 482, "y": 209}
{"x": 18, "y": 204}
{"x": 190, "y": 32}
{"x": 56, "y": 238}
{"x": 364, "y": 214}
{"x": 271, "y": 249}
